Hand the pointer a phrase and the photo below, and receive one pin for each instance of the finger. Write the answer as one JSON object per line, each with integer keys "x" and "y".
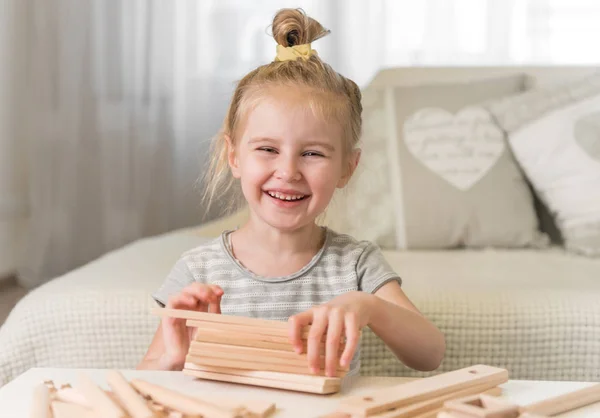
{"x": 215, "y": 307}
{"x": 296, "y": 325}
{"x": 313, "y": 350}
{"x": 217, "y": 290}
{"x": 202, "y": 292}
{"x": 334, "y": 334}
{"x": 352, "y": 337}
{"x": 182, "y": 301}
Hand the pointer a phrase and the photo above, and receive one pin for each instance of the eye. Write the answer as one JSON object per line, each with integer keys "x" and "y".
{"x": 268, "y": 149}
{"x": 313, "y": 154}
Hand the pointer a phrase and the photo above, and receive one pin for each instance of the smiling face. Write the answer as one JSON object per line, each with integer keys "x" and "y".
{"x": 289, "y": 160}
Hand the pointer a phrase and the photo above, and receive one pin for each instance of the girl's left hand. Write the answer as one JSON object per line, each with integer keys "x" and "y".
{"x": 345, "y": 315}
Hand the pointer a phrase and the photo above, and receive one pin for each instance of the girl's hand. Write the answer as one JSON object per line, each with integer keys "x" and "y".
{"x": 176, "y": 335}
{"x": 344, "y": 315}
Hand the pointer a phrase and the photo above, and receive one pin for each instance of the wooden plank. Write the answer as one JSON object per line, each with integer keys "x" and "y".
{"x": 180, "y": 402}
{"x": 426, "y": 407}
{"x": 277, "y": 376}
{"x": 133, "y": 403}
{"x": 257, "y": 381}
{"x": 223, "y": 326}
{"x": 219, "y": 318}
{"x": 235, "y": 339}
{"x": 245, "y": 364}
{"x": 219, "y": 351}
{"x": 98, "y": 399}
{"x": 267, "y": 352}
{"x": 40, "y": 407}
{"x": 219, "y": 338}
{"x": 423, "y": 389}
{"x": 565, "y": 403}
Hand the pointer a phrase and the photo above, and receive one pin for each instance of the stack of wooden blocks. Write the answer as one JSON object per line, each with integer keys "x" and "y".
{"x": 251, "y": 351}
{"x": 134, "y": 399}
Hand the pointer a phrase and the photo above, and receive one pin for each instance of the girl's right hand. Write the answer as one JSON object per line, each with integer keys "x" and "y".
{"x": 176, "y": 335}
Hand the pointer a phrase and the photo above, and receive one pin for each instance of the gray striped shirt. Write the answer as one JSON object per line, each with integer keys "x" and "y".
{"x": 343, "y": 264}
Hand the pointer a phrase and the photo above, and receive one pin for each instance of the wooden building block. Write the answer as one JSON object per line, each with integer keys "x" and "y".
{"x": 219, "y": 318}
{"x": 250, "y": 365}
{"x": 180, "y": 402}
{"x": 254, "y": 408}
{"x": 482, "y": 406}
{"x": 71, "y": 395}
{"x": 428, "y": 407}
{"x": 40, "y": 407}
{"x": 232, "y": 328}
{"x": 98, "y": 399}
{"x": 254, "y": 355}
{"x": 565, "y": 403}
{"x": 133, "y": 403}
{"x": 71, "y": 410}
{"x": 423, "y": 389}
{"x": 299, "y": 386}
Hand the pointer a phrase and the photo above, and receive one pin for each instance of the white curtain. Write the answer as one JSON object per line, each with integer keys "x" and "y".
{"x": 107, "y": 106}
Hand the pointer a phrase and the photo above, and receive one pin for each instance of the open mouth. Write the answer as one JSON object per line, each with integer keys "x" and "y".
{"x": 287, "y": 197}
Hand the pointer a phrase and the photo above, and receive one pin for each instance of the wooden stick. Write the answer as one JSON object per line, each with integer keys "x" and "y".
{"x": 100, "y": 402}
{"x": 276, "y": 376}
{"x": 40, "y": 407}
{"x": 71, "y": 395}
{"x": 219, "y": 318}
{"x": 423, "y": 389}
{"x": 179, "y": 402}
{"x": 298, "y": 360}
{"x": 564, "y": 403}
{"x": 135, "y": 405}
{"x": 71, "y": 410}
{"x": 256, "y": 381}
{"x": 249, "y": 365}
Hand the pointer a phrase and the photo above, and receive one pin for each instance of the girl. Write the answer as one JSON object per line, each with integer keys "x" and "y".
{"x": 289, "y": 140}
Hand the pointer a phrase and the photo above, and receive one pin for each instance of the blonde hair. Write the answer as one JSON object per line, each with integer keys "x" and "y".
{"x": 336, "y": 96}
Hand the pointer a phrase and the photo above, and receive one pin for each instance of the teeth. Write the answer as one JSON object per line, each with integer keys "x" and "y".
{"x": 282, "y": 196}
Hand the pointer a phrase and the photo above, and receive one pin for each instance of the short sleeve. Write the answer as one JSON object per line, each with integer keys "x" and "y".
{"x": 178, "y": 278}
{"x": 373, "y": 270}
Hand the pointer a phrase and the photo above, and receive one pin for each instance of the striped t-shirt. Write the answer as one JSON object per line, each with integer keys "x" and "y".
{"x": 343, "y": 264}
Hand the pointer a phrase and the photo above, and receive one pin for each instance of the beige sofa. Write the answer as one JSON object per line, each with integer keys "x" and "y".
{"x": 533, "y": 311}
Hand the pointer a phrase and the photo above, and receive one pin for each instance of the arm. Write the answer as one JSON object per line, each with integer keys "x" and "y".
{"x": 412, "y": 338}
{"x": 154, "y": 358}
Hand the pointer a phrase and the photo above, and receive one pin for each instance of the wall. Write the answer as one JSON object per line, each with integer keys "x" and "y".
{"x": 12, "y": 179}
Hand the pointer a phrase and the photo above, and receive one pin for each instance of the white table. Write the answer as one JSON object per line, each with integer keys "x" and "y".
{"x": 15, "y": 397}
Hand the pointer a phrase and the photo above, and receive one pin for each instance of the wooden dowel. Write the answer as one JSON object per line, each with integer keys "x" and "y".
{"x": 180, "y": 402}
{"x": 98, "y": 399}
{"x": 40, "y": 407}
{"x": 135, "y": 404}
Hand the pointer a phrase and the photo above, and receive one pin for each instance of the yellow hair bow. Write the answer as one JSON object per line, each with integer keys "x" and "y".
{"x": 292, "y": 53}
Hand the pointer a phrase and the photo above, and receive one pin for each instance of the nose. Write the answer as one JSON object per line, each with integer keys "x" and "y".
{"x": 287, "y": 169}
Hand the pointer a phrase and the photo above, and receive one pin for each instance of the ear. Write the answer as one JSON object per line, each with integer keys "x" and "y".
{"x": 352, "y": 163}
{"x": 232, "y": 157}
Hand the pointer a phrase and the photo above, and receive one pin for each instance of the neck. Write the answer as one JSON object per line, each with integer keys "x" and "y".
{"x": 276, "y": 241}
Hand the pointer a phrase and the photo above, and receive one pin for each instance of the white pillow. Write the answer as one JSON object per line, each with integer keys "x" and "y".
{"x": 555, "y": 137}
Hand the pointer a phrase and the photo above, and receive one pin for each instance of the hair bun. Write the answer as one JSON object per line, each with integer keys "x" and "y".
{"x": 293, "y": 27}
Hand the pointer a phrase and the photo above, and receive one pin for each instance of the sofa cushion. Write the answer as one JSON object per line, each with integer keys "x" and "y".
{"x": 554, "y": 133}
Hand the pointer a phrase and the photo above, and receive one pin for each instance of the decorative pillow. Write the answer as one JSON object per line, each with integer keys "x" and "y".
{"x": 554, "y": 134}
{"x": 454, "y": 180}
{"x": 364, "y": 209}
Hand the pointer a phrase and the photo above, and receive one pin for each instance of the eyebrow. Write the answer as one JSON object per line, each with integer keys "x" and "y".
{"x": 307, "y": 144}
